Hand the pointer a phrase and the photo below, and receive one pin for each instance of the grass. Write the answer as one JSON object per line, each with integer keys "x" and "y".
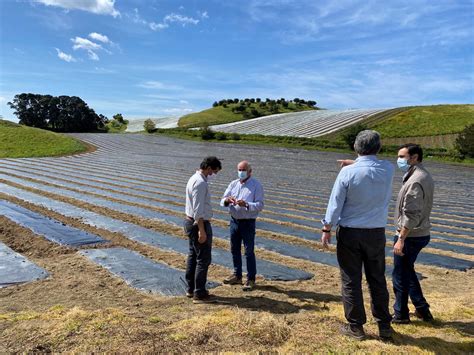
{"x": 426, "y": 121}
{"x": 221, "y": 115}
{"x": 17, "y": 141}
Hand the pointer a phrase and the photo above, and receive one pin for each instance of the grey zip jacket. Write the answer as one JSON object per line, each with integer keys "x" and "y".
{"x": 415, "y": 201}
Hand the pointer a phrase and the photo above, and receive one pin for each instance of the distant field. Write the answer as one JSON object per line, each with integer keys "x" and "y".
{"x": 424, "y": 121}
{"x": 18, "y": 141}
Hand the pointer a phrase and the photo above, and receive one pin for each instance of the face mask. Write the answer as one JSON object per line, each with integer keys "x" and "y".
{"x": 242, "y": 175}
{"x": 211, "y": 177}
{"x": 403, "y": 164}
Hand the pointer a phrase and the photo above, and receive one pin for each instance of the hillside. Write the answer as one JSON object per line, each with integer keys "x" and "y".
{"x": 226, "y": 112}
{"x": 435, "y": 126}
{"x": 17, "y": 141}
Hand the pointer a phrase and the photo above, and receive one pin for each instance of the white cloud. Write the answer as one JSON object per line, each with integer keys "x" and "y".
{"x": 203, "y": 14}
{"x": 66, "y": 57}
{"x": 184, "y": 20}
{"x": 158, "y": 85}
{"x": 158, "y": 26}
{"x": 92, "y": 55}
{"x": 84, "y": 43}
{"x": 99, "y": 37}
{"x": 100, "y": 7}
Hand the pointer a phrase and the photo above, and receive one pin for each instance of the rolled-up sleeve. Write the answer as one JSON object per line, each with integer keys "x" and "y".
{"x": 199, "y": 200}
{"x": 257, "y": 204}
{"x": 336, "y": 200}
{"x": 227, "y": 193}
{"x": 412, "y": 207}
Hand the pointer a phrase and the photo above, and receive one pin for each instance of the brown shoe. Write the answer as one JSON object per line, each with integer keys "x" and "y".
{"x": 249, "y": 285}
{"x": 233, "y": 280}
{"x": 207, "y": 298}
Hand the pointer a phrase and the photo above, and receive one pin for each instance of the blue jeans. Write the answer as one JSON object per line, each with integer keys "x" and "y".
{"x": 199, "y": 258}
{"x": 243, "y": 230}
{"x": 404, "y": 279}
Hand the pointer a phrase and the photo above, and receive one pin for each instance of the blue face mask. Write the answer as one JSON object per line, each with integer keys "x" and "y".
{"x": 242, "y": 174}
{"x": 403, "y": 164}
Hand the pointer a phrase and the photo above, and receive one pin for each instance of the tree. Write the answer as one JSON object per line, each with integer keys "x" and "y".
{"x": 60, "y": 114}
{"x": 149, "y": 125}
{"x": 207, "y": 133}
{"x": 350, "y": 135}
{"x": 215, "y": 104}
{"x": 465, "y": 142}
{"x": 118, "y": 117}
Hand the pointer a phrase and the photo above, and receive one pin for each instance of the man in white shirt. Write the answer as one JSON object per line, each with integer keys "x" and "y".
{"x": 198, "y": 228}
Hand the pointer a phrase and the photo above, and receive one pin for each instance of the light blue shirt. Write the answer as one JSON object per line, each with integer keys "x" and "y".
{"x": 361, "y": 194}
{"x": 251, "y": 191}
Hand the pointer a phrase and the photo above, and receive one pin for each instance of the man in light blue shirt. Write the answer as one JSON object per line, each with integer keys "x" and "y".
{"x": 359, "y": 207}
{"x": 244, "y": 199}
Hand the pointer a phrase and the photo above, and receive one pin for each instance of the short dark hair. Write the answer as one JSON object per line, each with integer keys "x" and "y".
{"x": 211, "y": 162}
{"x": 367, "y": 142}
{"x": 413, "y": 149}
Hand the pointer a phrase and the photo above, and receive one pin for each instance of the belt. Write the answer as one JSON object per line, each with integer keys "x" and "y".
{"x": 243, "y": 219}
{"x": 193, "y": 220}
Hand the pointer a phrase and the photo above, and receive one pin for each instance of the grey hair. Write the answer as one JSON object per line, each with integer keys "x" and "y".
{"x": 367, "y": 143}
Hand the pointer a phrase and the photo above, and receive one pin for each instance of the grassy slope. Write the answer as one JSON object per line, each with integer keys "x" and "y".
{"x": 221, "y": 115}
{"x": 18, "y": 141}
{"x": 426, "y": 121}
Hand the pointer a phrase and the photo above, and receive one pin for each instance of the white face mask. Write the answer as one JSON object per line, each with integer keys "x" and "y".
{"x": 211, "y": 177}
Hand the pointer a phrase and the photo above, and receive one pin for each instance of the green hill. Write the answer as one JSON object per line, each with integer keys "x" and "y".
{"x": 435, "y": 126}
{"x": 426, "y": 121}
{"x": 233, "y": 112}
{"x": 17, "y": 141}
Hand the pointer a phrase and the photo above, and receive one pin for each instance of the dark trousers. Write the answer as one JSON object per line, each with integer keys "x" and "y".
{"x": 404, "y": 279}
{"x": 243, "y": 230}
{"x": 357, "y": 248}
{"x": 199, "y": 258}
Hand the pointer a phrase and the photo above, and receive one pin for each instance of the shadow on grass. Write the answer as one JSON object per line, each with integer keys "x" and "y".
{"x": 302, "y": 295}
{"x": 435, "y": 345}
{"x": 261, "y": 303}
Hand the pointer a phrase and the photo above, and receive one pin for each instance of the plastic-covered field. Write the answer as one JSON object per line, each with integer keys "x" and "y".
{"x": 16, "y": 269}
{"x": 145, "y": 176}
{"x": 298, "y": 124}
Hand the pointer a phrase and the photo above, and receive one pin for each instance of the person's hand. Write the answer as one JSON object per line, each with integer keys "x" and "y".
{"x": 345, "y": 162}
{"x": 202, "y": 237}
{"x": 326, "y": 239}
{"x": 398, "y": 247}
{"x": 241, "y": 203}
{"x": 231, "y": 200}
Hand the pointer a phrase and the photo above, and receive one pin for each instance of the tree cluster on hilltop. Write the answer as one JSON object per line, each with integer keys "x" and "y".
{"x": 256, "y": 107}
{"x": 57, "y": 113}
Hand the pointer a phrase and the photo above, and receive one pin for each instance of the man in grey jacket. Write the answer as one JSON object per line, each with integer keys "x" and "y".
{"x": 412, "y": 218}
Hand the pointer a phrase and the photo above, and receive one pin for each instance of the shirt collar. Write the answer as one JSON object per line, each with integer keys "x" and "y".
{"x": 366, "y": 158}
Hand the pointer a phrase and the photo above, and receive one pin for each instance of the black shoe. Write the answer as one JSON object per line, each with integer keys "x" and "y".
{"x": 233, "y": 280}
{"x": 400, "y": 320}
{"x": 426, "y": 315}
{"x": 353, "y": 331}
{"x": 189, "y": 294}
{"x": 249, "y": 285}
{"x": 206, "y": 298}
{"x": 385, "y": 331}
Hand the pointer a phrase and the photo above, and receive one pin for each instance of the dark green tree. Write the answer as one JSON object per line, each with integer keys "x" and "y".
{"x": 465, "y": 142}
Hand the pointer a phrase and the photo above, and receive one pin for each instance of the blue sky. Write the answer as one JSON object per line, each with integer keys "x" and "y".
{"x": 152, "y": 58}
